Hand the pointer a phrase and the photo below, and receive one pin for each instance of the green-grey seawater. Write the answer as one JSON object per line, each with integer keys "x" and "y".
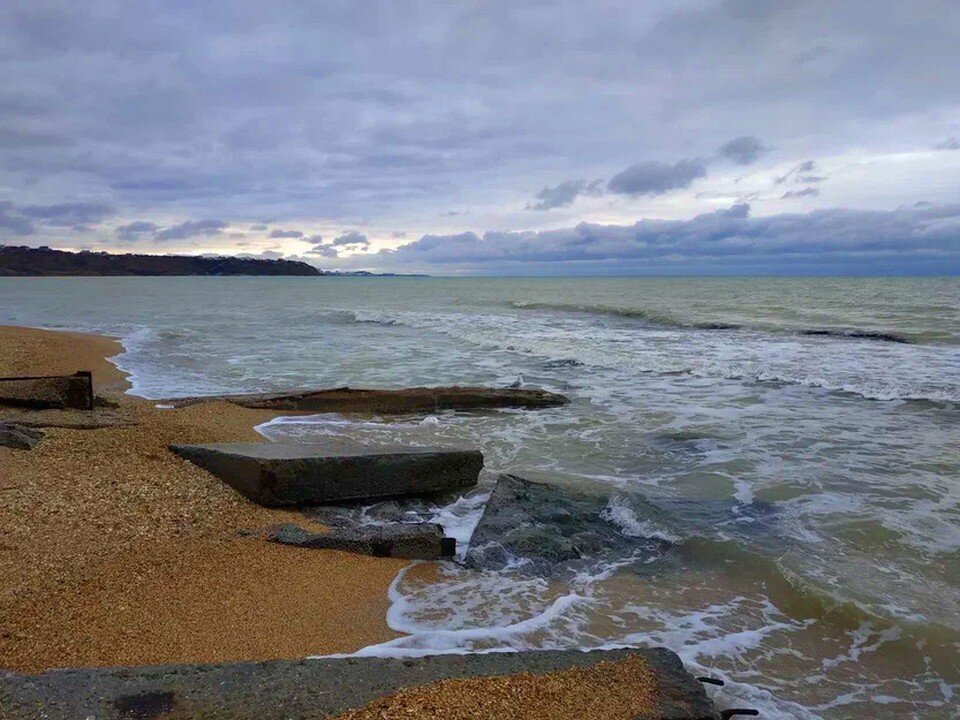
{"x": 800, "y": 434}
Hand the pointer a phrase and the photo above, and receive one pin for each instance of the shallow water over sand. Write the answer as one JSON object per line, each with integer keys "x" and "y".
{"x": 830, "y": 404}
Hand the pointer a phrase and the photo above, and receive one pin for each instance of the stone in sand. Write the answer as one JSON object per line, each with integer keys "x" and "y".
{"x": 296, "y": 474}
{"x": 18, "y": 437}
{"x": 416, "y": 541}
{"x": 407, "y": 400}
{"x": 55, "y": 391}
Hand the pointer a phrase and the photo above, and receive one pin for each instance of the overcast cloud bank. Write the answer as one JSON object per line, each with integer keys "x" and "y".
{"x": 923, "y": 237}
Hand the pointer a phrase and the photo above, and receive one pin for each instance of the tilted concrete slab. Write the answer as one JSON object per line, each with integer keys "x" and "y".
{"x": 321, "y": 688}
{"x": 387, "y": 402}
{"x": 296, "y": 474}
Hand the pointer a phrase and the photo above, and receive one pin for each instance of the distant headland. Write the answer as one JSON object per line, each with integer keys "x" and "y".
{"x": 21, "y": 261}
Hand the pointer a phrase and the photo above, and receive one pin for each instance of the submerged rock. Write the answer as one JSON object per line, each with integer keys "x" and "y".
{"x": 408, "y": 400}
{"x": 19, "y": 437}
{"x": 546, "y": 530}
{"x": 417, "y": 541}
{"x": 549, "y": 530}
{"x": 298, "y": 474}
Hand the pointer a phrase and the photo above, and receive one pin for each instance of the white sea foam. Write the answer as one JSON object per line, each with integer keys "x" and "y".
{"x": 623, "y": 516}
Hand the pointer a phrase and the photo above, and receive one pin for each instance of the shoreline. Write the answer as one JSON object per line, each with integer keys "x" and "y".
{"x": 116, "y": 552}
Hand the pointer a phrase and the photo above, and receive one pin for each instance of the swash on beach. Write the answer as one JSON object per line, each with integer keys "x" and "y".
{"x": 789, "y": 443}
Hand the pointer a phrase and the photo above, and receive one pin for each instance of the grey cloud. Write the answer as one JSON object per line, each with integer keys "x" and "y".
{"x": 18, "y": 138}
{"x": 398, "y": 234}
{"x": 951, "y": 143}
{"x": 797, "y": 173}
{"x": 921, "y": 237}
{"x": 740, "y": 210}
{"x": 805, "y": 192}
{"x": 286, "y": 234}
{"x": 656, "y": 178}
{"x": 324, "y": 251}
{"x": 351, "y": 237}
{"x": 69, "y": 214}
{"x": 12, "y": 221}
{"x": 743, "y": 150}
{"x": 564, "y": 194}
{"x": 314, "y": 239}
{"x": 191, "y": 228}
{"x": 134, "y": 230}
{"x": 79, "y": 216}
{"x": 259, "y": 227}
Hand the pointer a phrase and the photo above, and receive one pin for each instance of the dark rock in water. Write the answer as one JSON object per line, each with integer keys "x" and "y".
{"x": 859, "y": 335}
{"x": 19, "y": 437}
{"x": 297, "y": 474}
{"x": 318, "y": 688}
{"x": 562, "y": 362}
{"x": 408, "y": 400}
{"x": 550, "y": 530}
{"x": 423, "y": 541}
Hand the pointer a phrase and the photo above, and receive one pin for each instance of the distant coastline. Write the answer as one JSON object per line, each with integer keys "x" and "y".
{"x": 22, "y": 261}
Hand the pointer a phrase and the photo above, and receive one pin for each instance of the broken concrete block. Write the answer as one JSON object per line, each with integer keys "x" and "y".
{"x": 296, "y": 474}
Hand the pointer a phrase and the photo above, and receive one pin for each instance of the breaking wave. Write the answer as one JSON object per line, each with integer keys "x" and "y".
{"x": 654, "y": 318}
{"x": 668, "y": 321}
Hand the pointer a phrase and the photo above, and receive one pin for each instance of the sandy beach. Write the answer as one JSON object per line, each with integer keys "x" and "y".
{"x": 115, "y": 552}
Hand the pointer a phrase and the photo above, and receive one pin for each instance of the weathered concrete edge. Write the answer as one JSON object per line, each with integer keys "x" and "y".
{"x": 307, "y": 688}
{"x": 335, "y": 477}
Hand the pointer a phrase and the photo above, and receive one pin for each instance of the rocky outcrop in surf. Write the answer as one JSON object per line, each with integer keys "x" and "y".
{"x": 407, "y": 400}
{"x": 858, "y": 334}
{"x": 548, "y": 530}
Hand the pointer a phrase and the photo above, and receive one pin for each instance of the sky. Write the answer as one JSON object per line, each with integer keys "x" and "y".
{"x": 491, "y": 138}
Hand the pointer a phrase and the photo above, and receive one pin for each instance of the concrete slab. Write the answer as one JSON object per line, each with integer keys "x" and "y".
{"x": 282, "y": 690}
{"x": 298, "y": 474}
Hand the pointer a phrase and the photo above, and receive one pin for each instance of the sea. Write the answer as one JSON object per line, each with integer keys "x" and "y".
{"x": 799, "y": 437}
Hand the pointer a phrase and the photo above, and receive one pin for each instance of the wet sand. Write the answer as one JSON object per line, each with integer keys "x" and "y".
{"x": 113, "y": 551}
